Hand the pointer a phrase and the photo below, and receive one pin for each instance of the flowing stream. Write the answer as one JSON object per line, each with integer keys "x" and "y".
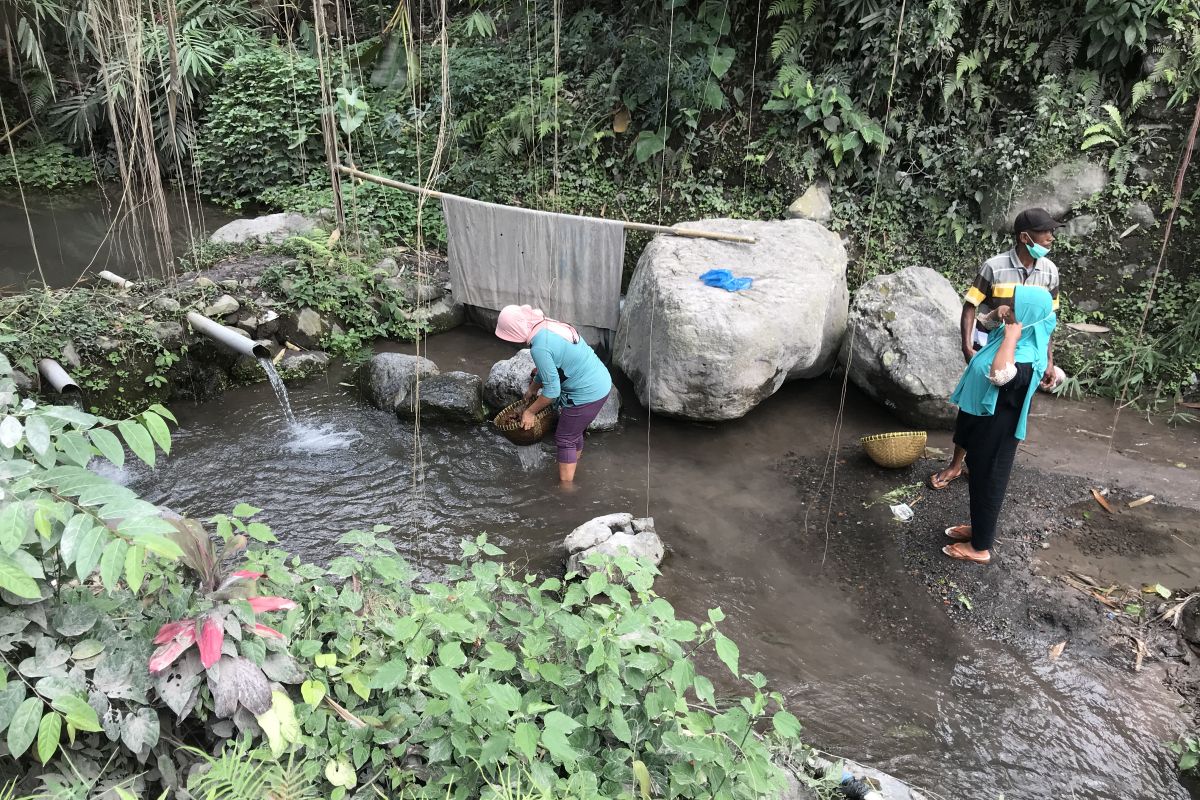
{"x": 903, "y": 689}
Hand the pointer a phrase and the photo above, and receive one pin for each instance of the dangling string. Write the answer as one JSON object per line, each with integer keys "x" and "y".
{"x": 830, "y": 468}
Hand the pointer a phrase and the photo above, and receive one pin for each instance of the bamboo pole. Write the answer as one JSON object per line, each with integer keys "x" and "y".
{"x": 690, "y": 233}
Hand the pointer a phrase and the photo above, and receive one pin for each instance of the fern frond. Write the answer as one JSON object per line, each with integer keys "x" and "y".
{"x": 787, "y": 37}
{"x": 783, "y": 8}
{"x": 1097, "y": 139}
{"x": 1115, "y": 116}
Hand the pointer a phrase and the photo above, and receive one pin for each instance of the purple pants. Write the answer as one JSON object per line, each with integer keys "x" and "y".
{"x": 572, "y": 422}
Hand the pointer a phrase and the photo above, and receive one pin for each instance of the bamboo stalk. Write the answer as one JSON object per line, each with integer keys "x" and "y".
{"x": 14, "y": 131}
{"x": 690, "y": 233}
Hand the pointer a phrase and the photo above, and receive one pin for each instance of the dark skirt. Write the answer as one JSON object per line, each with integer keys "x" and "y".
{"x": 991, "y": 446}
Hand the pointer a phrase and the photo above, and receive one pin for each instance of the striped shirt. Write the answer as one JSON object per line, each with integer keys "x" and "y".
{"x": 1000, "y": 275}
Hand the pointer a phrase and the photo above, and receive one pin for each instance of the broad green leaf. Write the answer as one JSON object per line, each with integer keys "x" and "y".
{"x": 24, "y": 726}
{"x": 138, "y": 439}
{"x": 312, "y": 692}
{"x": 11, "y": 431}
{"x": 506, "y": 696}
{"x": 643, "y": 778}
{"x": 445, "y": 680}
{"x": 389, "y": 675}
{"x": 159, "y": 545}
{"x": 450, "y": 654}
{"x": 49, "y": 732}
{"x": 526, "y": 739}
{"x": 341, "y": 773}
{"x": 786, "y": 724}
{"x": 91, "y": 546}
{"x": 619, "y": 725}
{"x": 728, "y": 652}
{"x": 14, "y": 579}
{"x": 37, "y": 434}
{"x": 134, "y": 527}
{"x": 112, "y": 563}
{"x": 325, "y": 660}
{"x": 14, "y": 525}
{"x": 162, "y": 411}
{"x": 77, "y": 711}
{"x": 73, "y": 532}
{"x": 80, "y": 419}
{"x": 76, "y": 448}
{"x": 158, "y": 430}
{"x": 245, "y": 510}
{"x": 86, "y": 649}
{"x": 260, "y": 533}
{"x": 135, "y": 567}
{"x": 647, "y": 145}
{"x": 499, "y": 658}
{"x": 1189, "y": 760}
{"x": 720, "y": 60}
{"x": 11, "y": 697}
{"x": 109, "y": 445}
{"x": 704, "y": 690}
{"x": 556, "y": 726}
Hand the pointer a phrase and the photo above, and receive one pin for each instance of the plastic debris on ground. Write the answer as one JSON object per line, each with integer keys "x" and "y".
{"x": 723, "y": 279}
{"x": 902, "y": 512}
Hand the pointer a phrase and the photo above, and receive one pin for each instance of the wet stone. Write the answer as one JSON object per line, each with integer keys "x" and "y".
{"x": 450, "y": 397}
{"x": 167, "y": 305}
{"x": 297, "y": 366}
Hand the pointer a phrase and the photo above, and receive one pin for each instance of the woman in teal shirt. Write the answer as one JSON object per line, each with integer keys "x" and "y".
{"x": 568, "y": 374}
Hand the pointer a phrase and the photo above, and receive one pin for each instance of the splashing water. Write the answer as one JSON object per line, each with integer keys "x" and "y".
{"x": 280, "y": 390}
{"x": 320, "y": 438}
{"x": 531, "y": 457}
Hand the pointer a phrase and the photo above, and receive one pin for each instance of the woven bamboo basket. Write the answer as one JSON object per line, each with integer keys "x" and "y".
{"x": 508, "y": 423}
{"x": 895, "y": 450}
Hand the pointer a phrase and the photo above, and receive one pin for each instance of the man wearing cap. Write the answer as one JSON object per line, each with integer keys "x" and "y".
{"x": 1025, "y": 264}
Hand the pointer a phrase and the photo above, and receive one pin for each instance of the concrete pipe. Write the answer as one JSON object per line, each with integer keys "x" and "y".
{"x": 227, "y": 337}
{"x": 57, "y": 377}
{"x": 114, "y": 279}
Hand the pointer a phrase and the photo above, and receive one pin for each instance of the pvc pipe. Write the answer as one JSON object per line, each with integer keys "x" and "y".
{"x": 56, "y": 376}
{"x": 222, "y": 335}
{"x": 115, "y": 279}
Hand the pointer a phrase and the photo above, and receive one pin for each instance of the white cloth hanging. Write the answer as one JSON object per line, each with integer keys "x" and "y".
{"x": 568, "y": 266}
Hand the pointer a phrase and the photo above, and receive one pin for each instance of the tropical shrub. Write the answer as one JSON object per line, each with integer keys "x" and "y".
{"x": 50, "y": 165}
{"x": 262, "y": 126}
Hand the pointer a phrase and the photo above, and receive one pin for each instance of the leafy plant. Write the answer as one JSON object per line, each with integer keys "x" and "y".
{"x": 1187, "y": 750}
{"x": 261, "y": 128}
{"x": 49, "y": 165}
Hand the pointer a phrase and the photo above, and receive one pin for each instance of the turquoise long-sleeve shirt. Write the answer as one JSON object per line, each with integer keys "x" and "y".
{"x": 586, "y": 379}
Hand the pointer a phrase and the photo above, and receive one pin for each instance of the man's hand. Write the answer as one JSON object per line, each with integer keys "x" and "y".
{"x": 1005, "y": 314}
{"x": 968, "y": 350}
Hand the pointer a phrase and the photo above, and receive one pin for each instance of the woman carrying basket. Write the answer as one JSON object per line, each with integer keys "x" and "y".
{"x": 993, "y": 398}
{"x": 569, "y": 375}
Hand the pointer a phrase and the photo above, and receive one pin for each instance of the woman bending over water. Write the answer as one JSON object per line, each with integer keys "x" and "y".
{"x": 569, "y": 375}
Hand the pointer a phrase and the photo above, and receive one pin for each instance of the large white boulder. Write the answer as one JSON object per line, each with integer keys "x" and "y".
{"x": 903, "y": 346}
{"x": 270, "y": 228}
{"x": 703, "y": 353}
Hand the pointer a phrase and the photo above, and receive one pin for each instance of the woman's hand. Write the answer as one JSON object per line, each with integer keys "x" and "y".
{"x": 527, "y": 420}
{"x": 1012, "y": 330}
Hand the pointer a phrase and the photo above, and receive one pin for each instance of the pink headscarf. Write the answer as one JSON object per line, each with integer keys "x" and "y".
{"x": 518, "y": 324}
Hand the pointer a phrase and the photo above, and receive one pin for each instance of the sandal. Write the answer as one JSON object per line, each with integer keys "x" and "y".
{"x": 957, "y": 553}
{"x": 933, "y": 483}
{"x": 959, "y": 533}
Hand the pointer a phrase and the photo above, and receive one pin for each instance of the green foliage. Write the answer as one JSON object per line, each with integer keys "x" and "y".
{"x": 565, "y": 687}
{"x": 1154, "y": 370}
{"x": 91, "y": 70}
{"x": 262, "y": 127}
{"x": 50, "y": 165}
{"x": 368, "y": 303}
{"x": 1187, "y": 750}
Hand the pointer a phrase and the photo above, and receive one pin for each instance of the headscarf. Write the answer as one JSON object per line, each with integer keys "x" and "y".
{"x": 975, "y": 394}
{"x": 518, "y": 324}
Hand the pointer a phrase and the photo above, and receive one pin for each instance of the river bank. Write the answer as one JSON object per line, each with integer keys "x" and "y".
{"x": 887, "y": 673}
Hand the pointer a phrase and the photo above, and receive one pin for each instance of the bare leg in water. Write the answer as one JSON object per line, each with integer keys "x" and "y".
{"x": 940, "y": 480}
{"x": 566, "y": 472}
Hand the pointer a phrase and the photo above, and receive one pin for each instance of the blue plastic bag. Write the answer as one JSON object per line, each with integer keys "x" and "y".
{"x": 723, "y": 279}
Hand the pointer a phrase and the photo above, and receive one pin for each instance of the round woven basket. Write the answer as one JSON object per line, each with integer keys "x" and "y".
{"x": 508, "y": 423}
{"x": 895, "y": 450}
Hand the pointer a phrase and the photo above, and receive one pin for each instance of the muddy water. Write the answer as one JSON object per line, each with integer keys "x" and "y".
{"x": 871, "y": 664}
{"x": 86, "y": 230}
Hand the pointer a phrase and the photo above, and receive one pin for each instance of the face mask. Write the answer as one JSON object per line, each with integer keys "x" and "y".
{"x": 1036, "y": 250}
